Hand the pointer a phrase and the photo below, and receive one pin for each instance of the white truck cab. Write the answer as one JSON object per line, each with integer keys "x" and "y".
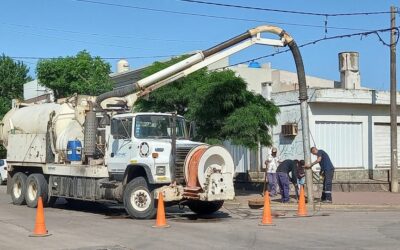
{"x": 144, "y": 153}
{"x": 146, "y": 139}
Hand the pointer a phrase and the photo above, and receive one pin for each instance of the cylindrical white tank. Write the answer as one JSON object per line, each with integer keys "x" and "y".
{"x": 122, "y": 66}
{"x": 35, "y": 119}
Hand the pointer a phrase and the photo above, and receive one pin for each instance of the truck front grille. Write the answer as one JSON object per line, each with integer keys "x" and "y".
{"x": 181, "y": 154}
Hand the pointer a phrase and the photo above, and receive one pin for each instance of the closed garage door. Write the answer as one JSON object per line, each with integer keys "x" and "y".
{"x": 381, "y": 144}
{"x": 342, "y": 141}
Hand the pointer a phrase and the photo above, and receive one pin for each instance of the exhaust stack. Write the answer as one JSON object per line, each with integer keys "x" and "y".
{"x": 349, "y": 70}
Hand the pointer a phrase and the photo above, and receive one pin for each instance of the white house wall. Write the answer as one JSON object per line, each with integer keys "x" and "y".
{"x": 254, "y": 76}
{"x": 283, "y": 80}
{"x": 289, "y": 147}
{"x": 244, "y": 159}
{"x": 33, "y": 89}
{"x": 366, "y": 115}
{"x": 355, "y": 123}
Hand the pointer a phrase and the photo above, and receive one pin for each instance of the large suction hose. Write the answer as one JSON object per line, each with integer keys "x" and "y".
{"x": 304, "y": 117}
{"x": 120, "y": 92}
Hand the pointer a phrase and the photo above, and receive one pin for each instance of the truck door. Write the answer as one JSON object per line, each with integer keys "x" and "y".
{"x": 120, "y": 145}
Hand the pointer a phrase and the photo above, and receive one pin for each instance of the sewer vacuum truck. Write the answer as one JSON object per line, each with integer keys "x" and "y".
{"x": 96, "y": 149}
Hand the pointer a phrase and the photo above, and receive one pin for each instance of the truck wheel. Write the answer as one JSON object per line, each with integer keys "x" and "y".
{"x": 2, "y": 181}
{"x": 139, "y": 199}
{"x": 36, "y": 186}
{"x": 18, "y": 188}
{"x": 205, "y": 207}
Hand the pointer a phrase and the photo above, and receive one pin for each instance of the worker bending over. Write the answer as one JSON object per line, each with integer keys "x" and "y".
{"x": 283, "y": 170}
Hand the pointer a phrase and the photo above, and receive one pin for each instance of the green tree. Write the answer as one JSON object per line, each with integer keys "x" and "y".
{"x": 82, "y": 74}
{"x": 218, "y": 102}
{"x": 13, "y": 75}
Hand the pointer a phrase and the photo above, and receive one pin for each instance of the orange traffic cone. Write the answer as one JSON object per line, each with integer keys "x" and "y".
{"x": 302, "y": 209}
{"x": 267, "y": 218}
{"x": 40, "y": 225}
{"x": 161, "y": 221}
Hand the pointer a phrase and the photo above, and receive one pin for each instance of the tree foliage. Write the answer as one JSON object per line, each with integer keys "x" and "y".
{"x": 82, "y": 74}
{"x": 13, "y": 75}
{"x": 218, "y": 102}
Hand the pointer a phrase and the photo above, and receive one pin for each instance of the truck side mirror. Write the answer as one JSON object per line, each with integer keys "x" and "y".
{"x": 114, "y": 128}
{"x": 192, "y": 130}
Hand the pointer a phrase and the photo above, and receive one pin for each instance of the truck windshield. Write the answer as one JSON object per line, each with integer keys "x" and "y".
{"x": 158, "y": 126}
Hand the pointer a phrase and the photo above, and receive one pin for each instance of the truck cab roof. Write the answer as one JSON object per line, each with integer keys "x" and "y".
{"x": 144, "y": 113}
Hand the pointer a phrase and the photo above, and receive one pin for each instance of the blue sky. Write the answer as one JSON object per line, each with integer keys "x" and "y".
{"x": 51, "y": 28}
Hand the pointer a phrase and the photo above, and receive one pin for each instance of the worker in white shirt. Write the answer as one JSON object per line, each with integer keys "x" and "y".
{"x": 272, "y": 164}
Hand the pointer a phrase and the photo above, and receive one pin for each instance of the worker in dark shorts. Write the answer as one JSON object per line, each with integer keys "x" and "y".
{"x": 327, "y": 171}
{"x": 282, "y": 172}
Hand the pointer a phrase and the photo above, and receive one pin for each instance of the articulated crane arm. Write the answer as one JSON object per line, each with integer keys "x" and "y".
{"x": 202, "y": 59}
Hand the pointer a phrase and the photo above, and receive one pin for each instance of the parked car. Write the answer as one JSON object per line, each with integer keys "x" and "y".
{"x": 3, "y": 171}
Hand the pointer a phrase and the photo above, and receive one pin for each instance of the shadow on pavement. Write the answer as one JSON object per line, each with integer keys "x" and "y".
{"x": 117, "y": 211}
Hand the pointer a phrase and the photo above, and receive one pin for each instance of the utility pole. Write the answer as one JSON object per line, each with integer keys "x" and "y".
{"x": 394, "y": 183}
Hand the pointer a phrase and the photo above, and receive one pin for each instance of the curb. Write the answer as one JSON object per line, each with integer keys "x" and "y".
{"x": 294, "y": 206}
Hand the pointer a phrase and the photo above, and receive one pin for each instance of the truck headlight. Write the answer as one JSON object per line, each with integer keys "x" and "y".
{"x": 160, "y": 170}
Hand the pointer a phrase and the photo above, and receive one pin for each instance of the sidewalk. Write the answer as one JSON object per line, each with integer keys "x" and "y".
{"x": 341, "y": 200}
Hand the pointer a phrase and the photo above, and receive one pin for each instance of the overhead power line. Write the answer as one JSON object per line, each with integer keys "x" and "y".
{"x": 286, "y": 11}
{"x": 216, "y": 16}
{"x": 361, "y": 34}
{"x": 97, "y": 34}
{"x": 107, "y": 58}
{"x": 111, "y": 45}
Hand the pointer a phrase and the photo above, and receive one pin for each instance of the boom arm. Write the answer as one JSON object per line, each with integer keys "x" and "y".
{"x": 217, "y": 53}
{"x": 200, "y": 60}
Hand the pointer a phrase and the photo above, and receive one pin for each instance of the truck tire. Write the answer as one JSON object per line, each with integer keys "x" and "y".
{"x": 18, "y": 187}
{"x": 36, "y": 186}
{"x": 205, "y": 207}
{"x": 2, "y": 181}
{"x": 139, "y": 199}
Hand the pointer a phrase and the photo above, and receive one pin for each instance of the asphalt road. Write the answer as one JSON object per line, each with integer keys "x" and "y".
{"x": 91, "y": 226}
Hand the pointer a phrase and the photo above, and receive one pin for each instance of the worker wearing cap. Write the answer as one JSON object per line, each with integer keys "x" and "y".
{"x": 272, "y": 163}
{"x": 327, "y": 171}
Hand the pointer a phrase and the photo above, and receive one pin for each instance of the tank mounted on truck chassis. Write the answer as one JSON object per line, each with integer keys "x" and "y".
{"x": 87, "y": 148}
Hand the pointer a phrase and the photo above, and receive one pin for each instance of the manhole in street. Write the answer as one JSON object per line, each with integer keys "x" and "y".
{"x": 194, "y": 218}
{"x": 115, "y": 247}
{"x": 117, "y": 216}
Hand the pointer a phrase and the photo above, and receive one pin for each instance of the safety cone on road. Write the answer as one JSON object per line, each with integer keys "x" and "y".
{"x": 267, "y": 218}
{"x": 40, "y": 225}
{"x": 160, "y": 221}
{"x": 302, "y": 209}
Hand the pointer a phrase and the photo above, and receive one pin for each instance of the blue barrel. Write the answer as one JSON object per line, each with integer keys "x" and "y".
{"x": 74, "y": 150}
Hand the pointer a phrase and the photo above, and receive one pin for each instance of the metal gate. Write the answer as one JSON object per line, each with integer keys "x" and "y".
{"x": 381, "y": 144}
{"x": 342, "y": 141}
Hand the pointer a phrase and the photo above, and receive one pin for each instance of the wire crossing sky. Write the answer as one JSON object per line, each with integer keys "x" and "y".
{"x": 146, "y": 31}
